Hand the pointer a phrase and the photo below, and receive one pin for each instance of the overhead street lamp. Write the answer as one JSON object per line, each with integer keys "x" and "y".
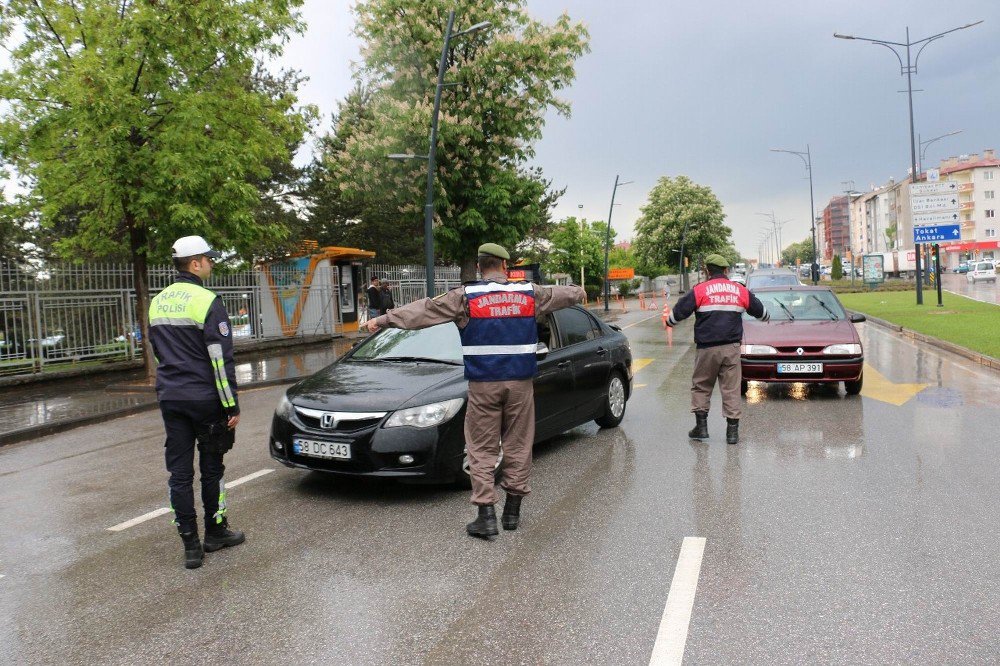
{"x": 431, "y": 155}
{"x": 607, "y": 240}
{"x": 908, "y": 70}
{"x": 923, "y": 148}
{"x": 807, "y": 158}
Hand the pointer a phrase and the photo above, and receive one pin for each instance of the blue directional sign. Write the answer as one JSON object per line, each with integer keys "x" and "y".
{"x": 937, "y": 232}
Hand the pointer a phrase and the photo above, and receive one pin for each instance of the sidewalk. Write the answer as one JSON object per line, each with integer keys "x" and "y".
{"x": 43, "y": 409}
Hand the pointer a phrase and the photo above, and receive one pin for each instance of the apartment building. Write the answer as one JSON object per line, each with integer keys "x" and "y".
{"x": 836, "y": 231}
{"x": 979, "y": 182}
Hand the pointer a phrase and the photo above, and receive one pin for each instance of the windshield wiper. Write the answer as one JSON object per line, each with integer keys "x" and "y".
{"x": 422, "y": 359}
{"x": 833, "y": 315}
{"x": 781, "y": 305}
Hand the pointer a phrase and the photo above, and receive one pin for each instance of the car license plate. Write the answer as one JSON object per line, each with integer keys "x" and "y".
{"x": 319, "y": 449}
{"x": 799, "y": 368}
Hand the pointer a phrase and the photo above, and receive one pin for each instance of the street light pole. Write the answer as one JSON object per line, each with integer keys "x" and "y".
{"x": 807, "y": 158}
{"x": 607, "y": 241}
{"x": 925, "y": 144}
{"x": 909, "y": 69}
{"x": 431, "y": 156}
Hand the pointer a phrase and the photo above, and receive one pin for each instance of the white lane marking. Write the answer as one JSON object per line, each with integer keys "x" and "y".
{"x": 248, "y": 477}
{"x": 636, "y": 323}
{"x": 670, "y": 639}
{"x": 141, "y": 519}
{"x": 163, "y": 510}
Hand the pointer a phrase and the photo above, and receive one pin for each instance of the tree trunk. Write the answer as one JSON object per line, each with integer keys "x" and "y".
{"x": 138, "y": 245}
{"x": 468, "y": 270}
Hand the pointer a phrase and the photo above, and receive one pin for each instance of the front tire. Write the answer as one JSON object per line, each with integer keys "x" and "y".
{"x": 854, "y": 388}
{"x": 744, "y": 386}
{"x": 614, "y": 402}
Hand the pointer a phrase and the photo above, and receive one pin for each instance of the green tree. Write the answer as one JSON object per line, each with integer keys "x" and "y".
{"x": 800, "y": 252}
{"x": 837, "y": 270}
{"x": 143, "y": 120}
{"x": 673, "y": 204}
{"x": 576, "y": 243}
{"x": 502, "y": 83}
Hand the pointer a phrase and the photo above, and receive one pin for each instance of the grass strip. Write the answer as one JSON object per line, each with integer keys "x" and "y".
{"x": 961, "y": 321}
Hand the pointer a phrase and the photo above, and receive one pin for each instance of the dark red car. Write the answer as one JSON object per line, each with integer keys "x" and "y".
{"x": 810, "y": 338}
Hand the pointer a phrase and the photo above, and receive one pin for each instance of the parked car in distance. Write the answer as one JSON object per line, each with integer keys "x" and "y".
{"x": 809, "y": 338}
{"x": 962, "y": 268}
{"x": 981, "y": 271}
{"x": 771, "y": 277}
{"x": 394, "y": 406}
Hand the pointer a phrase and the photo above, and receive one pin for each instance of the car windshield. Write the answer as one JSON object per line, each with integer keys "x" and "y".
{"x": 772, "y": 280}
{"x": 438, "y": 343}
{"x": 984, "y": 267}
{"x": 801, "y": 305}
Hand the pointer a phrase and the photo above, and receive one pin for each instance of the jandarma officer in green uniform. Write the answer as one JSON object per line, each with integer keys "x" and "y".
{"x": 196, "y": 388}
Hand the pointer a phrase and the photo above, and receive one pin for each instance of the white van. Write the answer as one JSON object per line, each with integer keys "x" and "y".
{"x": 981, "y": 270}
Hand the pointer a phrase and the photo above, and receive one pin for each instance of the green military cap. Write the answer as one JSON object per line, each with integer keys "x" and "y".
{"x": 716, "y": 260}
{"x": 493, "y": 250}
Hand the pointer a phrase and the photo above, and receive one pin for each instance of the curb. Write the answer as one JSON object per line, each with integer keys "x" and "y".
{"x": 45, "y": 429}
{"x": 964, "y": 352}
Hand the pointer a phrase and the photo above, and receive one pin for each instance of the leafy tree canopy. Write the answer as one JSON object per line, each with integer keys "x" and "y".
{"x": 502, "y": 82}
{"x": 675, "y": 204}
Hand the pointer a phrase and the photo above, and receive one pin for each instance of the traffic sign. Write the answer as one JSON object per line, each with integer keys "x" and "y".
{"x": 925, "y": 189}
{"x": 935, "y": 202}
{"x": 943, "y": 217}
{"x": 941, "y": 232}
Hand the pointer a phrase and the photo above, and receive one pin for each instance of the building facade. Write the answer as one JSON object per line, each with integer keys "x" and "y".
{"x": 979, "y": 181}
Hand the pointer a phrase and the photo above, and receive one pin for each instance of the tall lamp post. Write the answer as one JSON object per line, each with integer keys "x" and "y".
{"x": 807, "y": 158}
{"x": 607, "y": 240}
{"x": 431, "y": 155}
{"x": 908, "y": 70}
{"x": 923, "y": 148}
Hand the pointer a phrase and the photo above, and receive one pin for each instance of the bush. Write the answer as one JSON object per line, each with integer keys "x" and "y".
{"x": 594, "y": 291}
{"x": 837, "y": 270}
{"x": 624, "y": 289}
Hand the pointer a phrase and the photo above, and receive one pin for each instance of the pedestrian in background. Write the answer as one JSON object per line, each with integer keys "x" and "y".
{"x": 374, "y": 296}
{"x": 386, "y": 301}
{"x": 718, "y": 305}
{"x": 497, "y": 321}
{"x": 191, "y": 336}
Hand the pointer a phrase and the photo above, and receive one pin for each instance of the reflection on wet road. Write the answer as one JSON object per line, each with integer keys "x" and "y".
{"x": 842, "y": 529}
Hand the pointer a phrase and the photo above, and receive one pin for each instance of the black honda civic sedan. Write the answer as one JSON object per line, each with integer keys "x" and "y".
{"x": 394, "y": 406}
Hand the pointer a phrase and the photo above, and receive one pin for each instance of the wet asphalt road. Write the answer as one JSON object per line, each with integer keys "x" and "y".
{"x": 841, "y": 530}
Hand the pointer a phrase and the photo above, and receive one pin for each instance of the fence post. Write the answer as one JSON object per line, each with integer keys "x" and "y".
{"x": 39, "y": 361}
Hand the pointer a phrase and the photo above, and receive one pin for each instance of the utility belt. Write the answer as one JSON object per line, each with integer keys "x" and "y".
{"x": 215, "y": 436}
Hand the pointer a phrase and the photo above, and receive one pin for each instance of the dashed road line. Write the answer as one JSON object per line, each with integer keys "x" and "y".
{"x": 141, "y": 519}
{"x": 248, "y": 477}
{"x": 636, "y": 323}
{"x": 164, "y": 510}
{"x": 672, "y": 635}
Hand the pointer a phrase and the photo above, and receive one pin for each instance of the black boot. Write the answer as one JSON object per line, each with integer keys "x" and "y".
{"x": 732, "y": 431}
{"x": 218, "y": 535}
{"x": 701, "y": 426}
{"x": 193, "y": 553}
{"x": 511, "y": 512}
{"x": 485, "y": 526}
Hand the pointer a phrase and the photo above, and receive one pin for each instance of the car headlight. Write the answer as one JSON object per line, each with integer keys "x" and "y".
{"x": 846, "y": 350}
{"x": 425, "y": 416}
{"x": 757, "y": 350}
{"x": 285, "y": 407}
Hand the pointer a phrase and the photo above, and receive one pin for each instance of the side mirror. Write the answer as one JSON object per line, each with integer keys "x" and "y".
{"x": 857, "y": 318}
{"x": 541, "y": 350}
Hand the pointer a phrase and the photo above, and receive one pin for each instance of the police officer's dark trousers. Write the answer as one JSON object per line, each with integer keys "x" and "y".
{"x": 180, "y": 418}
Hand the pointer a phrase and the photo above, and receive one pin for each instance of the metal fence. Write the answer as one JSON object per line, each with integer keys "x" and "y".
{"x": 409, "y": 283}
{"x": 70, "y": 314}
{"x": 75, "y": 314}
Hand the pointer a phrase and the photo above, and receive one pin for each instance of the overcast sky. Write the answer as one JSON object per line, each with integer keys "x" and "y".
{"x": 704, "y": 89}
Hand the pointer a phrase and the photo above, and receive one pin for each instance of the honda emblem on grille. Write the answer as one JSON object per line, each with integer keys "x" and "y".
{"x": 328, "y": 421}
{"x": 799, "y": 351}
